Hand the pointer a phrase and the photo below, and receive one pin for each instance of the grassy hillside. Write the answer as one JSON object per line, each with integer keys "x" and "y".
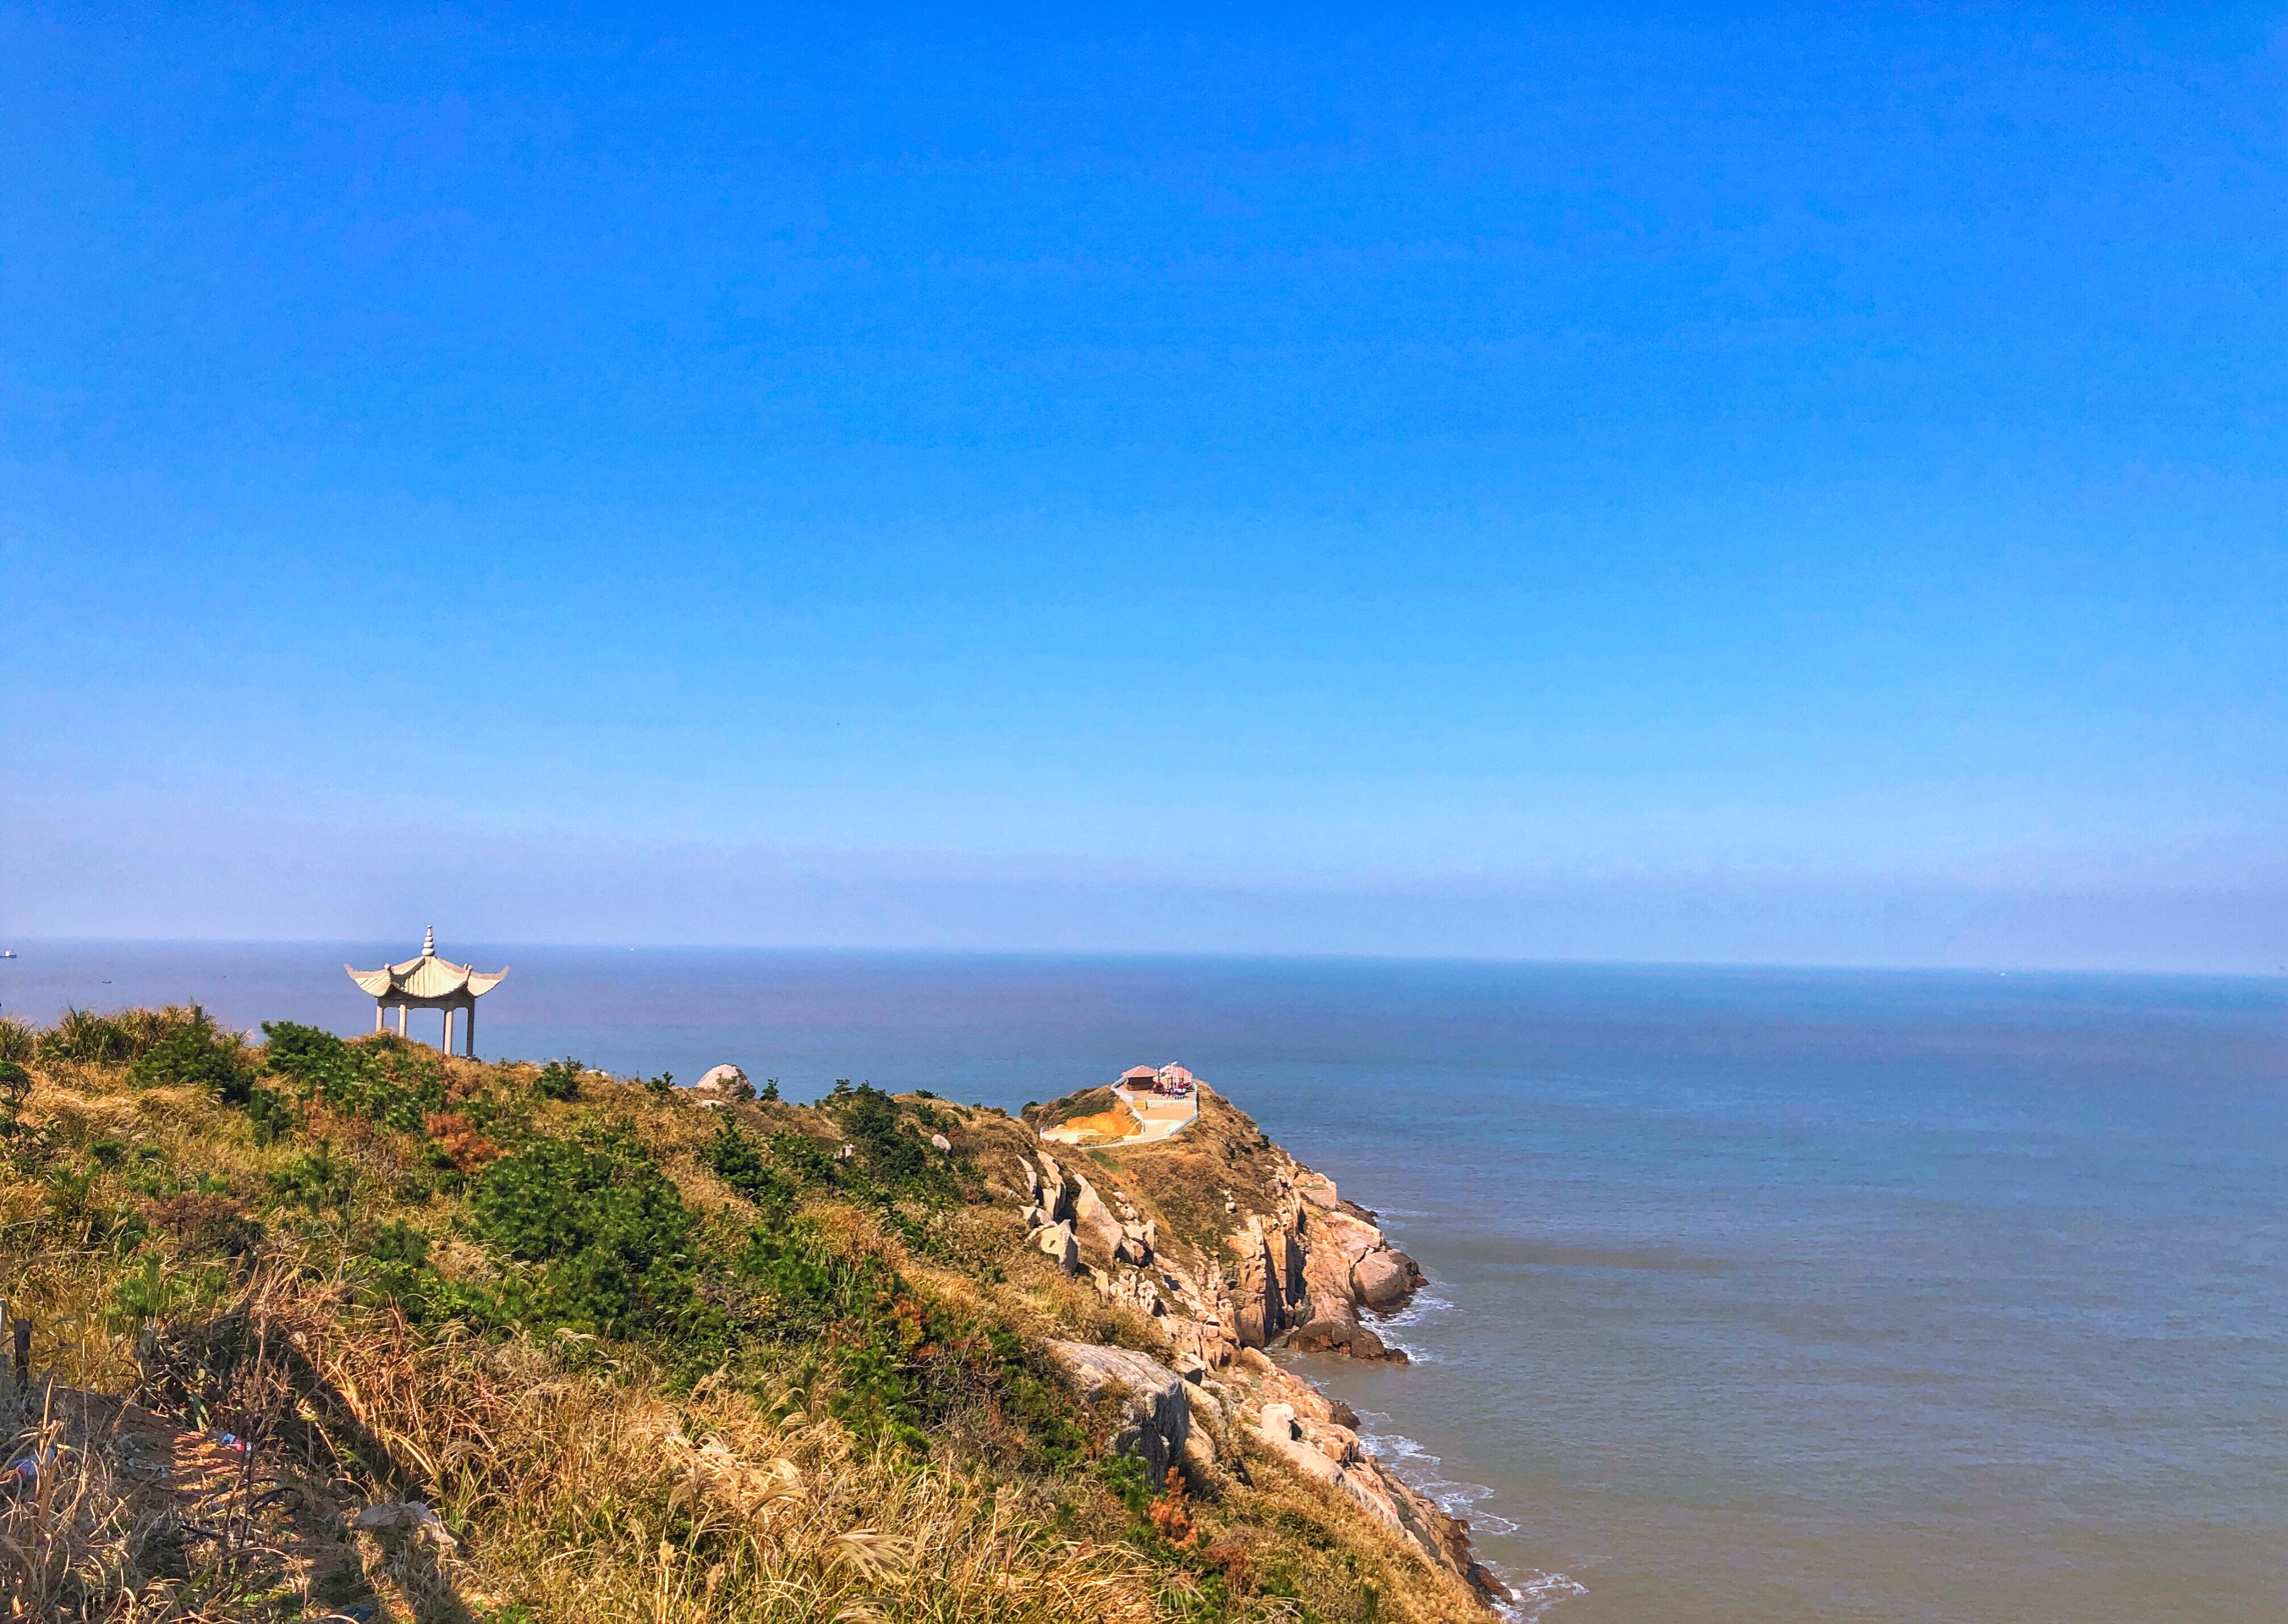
{"x": 570, "y": 1346}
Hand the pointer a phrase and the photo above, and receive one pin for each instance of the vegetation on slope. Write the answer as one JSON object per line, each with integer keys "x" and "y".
{"x": 577, "y": 1348}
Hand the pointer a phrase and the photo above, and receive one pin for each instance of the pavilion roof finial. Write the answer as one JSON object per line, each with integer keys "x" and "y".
{"x": 427, "y": 978}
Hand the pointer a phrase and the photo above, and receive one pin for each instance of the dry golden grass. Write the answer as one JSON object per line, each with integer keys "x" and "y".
{"x": 115, "y": 1514}
{"x": 588, "y": 1498}
{"x": 578, "y": 1494}
{"x": 66, "y": 1531}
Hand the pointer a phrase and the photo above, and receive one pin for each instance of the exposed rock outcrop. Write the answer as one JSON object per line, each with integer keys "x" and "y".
{"x": 1054, "y": 1192}
{"x": 1058, "y": 1241}
{"x": 1093, "y": 1218}
{"x": 1317, "y": 1436}
{"x": 1158, "y": 1420}
{"x": 1343, "y": 1333}
{"x": 1384, "y": 1279}
{"x": 724, "y": 1082}
{"x": 1247, "y": 1250}
{"x": 1307, "y": 1268}
{"x": 1341, "y": 1240}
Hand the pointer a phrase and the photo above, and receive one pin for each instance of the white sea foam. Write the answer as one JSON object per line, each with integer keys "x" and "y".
{"x": 1533, "y": 1594}
{"x": 1420, "y": 1467}
{"x": 1426, "y": 1305}
{"x": 1536, "y": 1593}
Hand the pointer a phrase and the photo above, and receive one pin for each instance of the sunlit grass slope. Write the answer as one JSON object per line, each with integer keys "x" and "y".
{"x": 351, "y": 1329}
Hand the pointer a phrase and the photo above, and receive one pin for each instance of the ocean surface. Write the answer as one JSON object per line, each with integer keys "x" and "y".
{"x": 1756, "y": 1296}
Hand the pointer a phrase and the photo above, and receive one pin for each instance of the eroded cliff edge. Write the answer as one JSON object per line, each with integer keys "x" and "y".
{"x": 1231, "y": 1246}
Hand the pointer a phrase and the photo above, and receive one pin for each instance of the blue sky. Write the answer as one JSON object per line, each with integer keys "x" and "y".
{"x": 1788, "y": 486}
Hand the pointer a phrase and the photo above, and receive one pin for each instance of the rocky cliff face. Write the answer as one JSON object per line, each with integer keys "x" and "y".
{"x": 1232, "y": 1246}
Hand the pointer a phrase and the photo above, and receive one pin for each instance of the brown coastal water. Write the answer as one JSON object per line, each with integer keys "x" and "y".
{"x": 1756, "y": 1295}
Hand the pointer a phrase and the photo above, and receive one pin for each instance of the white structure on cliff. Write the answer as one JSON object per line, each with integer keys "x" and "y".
{"x": 1170, "y": 1082}
{"x": 429, "y": 983}
{"x": 1165, "y": 1103}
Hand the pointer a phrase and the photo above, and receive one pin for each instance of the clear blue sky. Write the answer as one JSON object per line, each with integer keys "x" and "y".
{"x": 1783, "y": 486}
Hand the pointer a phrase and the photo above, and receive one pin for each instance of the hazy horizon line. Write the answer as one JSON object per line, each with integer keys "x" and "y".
{"x": 1229, "y": 955}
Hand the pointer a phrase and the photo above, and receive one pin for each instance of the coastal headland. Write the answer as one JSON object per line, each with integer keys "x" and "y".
{"x": 1231, "y": 1246}
{"x": 317, "y": 1327}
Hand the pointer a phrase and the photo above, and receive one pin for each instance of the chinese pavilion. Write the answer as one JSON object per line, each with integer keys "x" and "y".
{"x": 429, "y": 983}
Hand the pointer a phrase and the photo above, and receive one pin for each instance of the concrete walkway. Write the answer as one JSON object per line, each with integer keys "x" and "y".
{"x": 1163, "y": 1118}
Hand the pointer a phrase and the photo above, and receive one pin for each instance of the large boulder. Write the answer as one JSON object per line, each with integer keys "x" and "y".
{"x": 1158, "y": 1419}
{"x": 1058, "y": 1241}
{"x": 1092, "y": 1217}
{"x": 1383, "y": 1280}
{"x": 725, "y": 1083}
{"x": 1341, "y": 1334}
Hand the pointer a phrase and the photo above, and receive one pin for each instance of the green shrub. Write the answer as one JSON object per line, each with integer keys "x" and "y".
{"x": 274, "y": 1117}
{"x": 101, "y": 1040}
{"x": 396, "y": 1087}
{"x": 314, "y": 1181}
{"x": 17, "y": 1042}
{"x": 609, "y": 1235}
{"x": 15, "y": 1086}
{"x": 1128, "y": 1478}
{"x": 559, "y": 1079}
{"x": 144, "y": 1295}
{"x": 79, "y": 1210}
{"x": 149, "y": 1173}
{"x": 897, "y": 1360}
{"x": 294, "y": 1050}
{"x": 196, "y": 1054}
{"x": 814, "y": 1293}
{"x": 870, "y": 1117}
{"x": 744, "y": 1162}
{"x": 395, "y": 1260}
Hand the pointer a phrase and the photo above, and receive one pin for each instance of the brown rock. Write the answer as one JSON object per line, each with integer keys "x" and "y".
{"x": 1059, "y": 1243}
{"x": 1383, "y": 1280}
{"x": 1336, "y": 1334}
{"x": 1258, "y": 1302}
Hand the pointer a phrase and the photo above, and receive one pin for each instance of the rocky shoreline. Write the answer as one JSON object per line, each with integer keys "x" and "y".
{"x": 1232, "y": 1247}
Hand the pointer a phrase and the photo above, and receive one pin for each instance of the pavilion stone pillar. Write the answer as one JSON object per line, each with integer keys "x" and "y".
{"x": 469, "y": 1047}
{"x": 401, "y": 1020}
{"x": 446, "y": 1048}
{"x": 376, "y": 1014}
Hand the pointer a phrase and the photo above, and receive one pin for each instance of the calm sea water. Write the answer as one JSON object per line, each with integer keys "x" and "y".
{"x": 1758, "y": 1295}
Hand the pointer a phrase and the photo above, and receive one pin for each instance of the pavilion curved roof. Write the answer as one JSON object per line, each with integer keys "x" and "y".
{"x": 427, "y": 977}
